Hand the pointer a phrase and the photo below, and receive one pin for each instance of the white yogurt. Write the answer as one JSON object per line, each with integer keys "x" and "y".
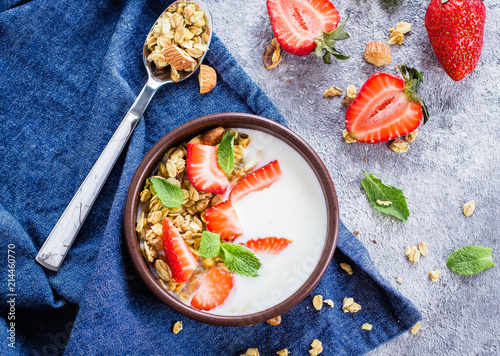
{"x": 294, "y": 208}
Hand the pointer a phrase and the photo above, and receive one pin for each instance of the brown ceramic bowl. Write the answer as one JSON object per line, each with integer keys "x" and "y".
{"x": 184, "y": 133}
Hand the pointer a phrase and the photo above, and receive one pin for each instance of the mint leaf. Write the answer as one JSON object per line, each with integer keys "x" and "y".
{"x": 385, "y": 198}
{"x": 209, "y": 244}
{"x": 470, "y": 260}
{"x": 240, "y": 259}
{"x": 170, "y": 195}
{"x": 225, "y": 153}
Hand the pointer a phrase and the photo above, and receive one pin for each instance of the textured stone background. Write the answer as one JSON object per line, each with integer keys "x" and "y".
{"x": 455, "y": 158}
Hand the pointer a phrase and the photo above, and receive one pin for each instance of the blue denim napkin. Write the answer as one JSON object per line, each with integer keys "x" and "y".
{"x": 70, "y": 71}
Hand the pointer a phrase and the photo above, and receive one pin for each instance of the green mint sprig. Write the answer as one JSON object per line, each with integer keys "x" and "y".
{"x": 385, "y": 198}
{"x": 169, "y": 194}
{"x": 225, "y": 153}
{"x": 238, "y": 258}
{"x": 470, "y": 260}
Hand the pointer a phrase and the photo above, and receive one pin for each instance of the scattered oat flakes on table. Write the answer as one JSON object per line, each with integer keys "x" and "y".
{"x": 469, "y": 208}
{"x": 275, "y": 321}
{"x": 399, "y": 146}
{"x": 399, "y": 280}
{"x": 251, "y": 352}
{"x": 411, "y": 136}
{"x": 332, "y": 91}
{"x": 349, "y": 306}
{"x": 422, "y": 247}
{"x": 329, "y": 302}
{"x": 283, "y": 352}
{"x": 351, "y": 95}
{"x": 367, "y": 326}
{"x": 434, "y": 275}
{"x": 177, "y": 327}
{"x": 348, "y": 137}
{"x": 318, "y": 302}
{"x": 316, "y": 348}
{"x": 346, "y": 267}
{"x": 414, "y": 255}
{"x": 414, "y": 330}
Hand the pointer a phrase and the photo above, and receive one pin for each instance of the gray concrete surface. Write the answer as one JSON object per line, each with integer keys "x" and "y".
{"x": 456, "y": 158}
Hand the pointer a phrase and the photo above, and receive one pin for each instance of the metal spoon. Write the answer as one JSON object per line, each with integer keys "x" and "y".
{"x": 57, "y": 245}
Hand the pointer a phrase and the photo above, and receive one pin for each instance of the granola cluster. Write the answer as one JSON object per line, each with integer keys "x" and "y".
{"x": 189, "y": 219}
{"x": 179, "y": 37}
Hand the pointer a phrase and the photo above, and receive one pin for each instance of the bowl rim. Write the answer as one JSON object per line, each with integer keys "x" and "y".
{"x": 189, "y": 130}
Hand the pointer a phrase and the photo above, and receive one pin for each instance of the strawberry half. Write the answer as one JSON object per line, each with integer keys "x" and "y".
{"x": 386, "y": 107}
{"x": 456, "y": 30}
{"x": 222, "y": 219}
{"x": 203, "y": 170}
{"x": 213, "y": 290}
{"x": 257, "y": 180}
{"x": 304, "y": 26}
{"x": 271, "y": 245}
{"x": 179, "y": 257}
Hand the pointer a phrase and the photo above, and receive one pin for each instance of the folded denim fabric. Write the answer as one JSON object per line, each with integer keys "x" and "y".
{"x": 71, "y": 70}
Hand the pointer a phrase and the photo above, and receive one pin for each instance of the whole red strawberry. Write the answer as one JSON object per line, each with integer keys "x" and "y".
{"x": 456, "y": 29}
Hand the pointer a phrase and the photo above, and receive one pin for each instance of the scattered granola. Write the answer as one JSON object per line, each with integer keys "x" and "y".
{"x": 399, "y": 146}
{"x": 367, "y": 326}
{"x": 348, "y": 137}
{"x": 422, "y": 247}
{"x": 411, "y": 136}
{"x": 350, "y": 306}
{"x": 378, "y": 54}
{"x": 469, "y": 208}
{"x": 272, "y": 55}
{"x": 275, "y": 321}
{"x": 332, "y": 91}
{"x": 414, "y": 255}
{"x": 329, "y": 302}
{"x": 316, "y": 348}
{"x": 318, "y": 302}
{"x": 407, "y": 251}
{"x": 397, "y": 34}
{"x": 351, "y": 95}
{"x": 177, "y": 327}
{"x": 251, "y": 352}
{"x": 283, "y": 352}
{"x": 414, "y": 330}
{"x": 346, "y": 267}
{"x": 399, "y": 280}
{"x": 356, "y": 233}
{"x": 434, "y": 275}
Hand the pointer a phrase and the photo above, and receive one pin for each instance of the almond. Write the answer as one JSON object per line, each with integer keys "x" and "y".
{"x": 177, "y": 57}
{"x": 378, "y": 53}
{"x": 207, "y": 78}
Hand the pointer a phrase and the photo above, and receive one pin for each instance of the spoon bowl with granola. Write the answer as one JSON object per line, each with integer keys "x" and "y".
{"x": 231, "y": 219}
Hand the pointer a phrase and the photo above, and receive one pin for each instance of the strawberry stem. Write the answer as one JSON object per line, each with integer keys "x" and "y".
{"x": 326, "y": 43}
{"x": 413, "y": 78}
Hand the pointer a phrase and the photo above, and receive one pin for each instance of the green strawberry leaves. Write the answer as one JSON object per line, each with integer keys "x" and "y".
{"x": 385, "y": 198}
{"x": 470, "y": 260}
{"x": 326, "y": 43}
{"x": 413, "y": 78}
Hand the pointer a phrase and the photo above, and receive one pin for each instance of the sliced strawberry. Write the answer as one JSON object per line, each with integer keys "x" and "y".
{"x": 222, "y": 219}
{"x": 257, "y": 180}
{"x": 179, "y": 257}
{"x": 271, "y": 245}
{"x": 203, "y": 170}
{"x": 301, "y": 25}
{"x": 213, "y": 290}
{"x": 386, "y": 107}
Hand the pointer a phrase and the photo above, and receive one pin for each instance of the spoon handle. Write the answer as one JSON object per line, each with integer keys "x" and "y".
{"x": 57, "y": 245}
